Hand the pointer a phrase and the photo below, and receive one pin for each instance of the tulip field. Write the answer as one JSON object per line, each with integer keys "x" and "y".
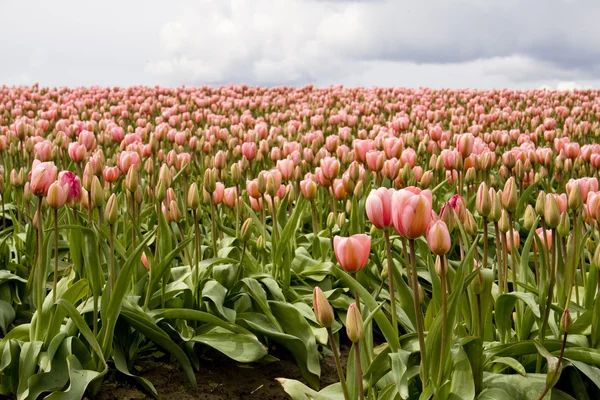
{"x": 425, "y": 244}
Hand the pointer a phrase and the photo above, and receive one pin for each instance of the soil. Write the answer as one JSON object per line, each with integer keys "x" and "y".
{"x": 219, "y": 377}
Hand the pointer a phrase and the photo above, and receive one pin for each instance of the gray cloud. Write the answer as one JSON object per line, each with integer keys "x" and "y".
{"x": 462, "y": 43}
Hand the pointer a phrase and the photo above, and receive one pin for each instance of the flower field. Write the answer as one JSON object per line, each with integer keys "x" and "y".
{"x": 448, "y": 238}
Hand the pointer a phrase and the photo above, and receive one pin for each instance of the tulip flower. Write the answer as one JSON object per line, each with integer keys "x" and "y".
{"x": 352, "y": 252}
{"x": 379, "y": 207}
{"x": 438, "y": 238}
{"x": 411, "y": 211}
{"x": 42, "y": 175}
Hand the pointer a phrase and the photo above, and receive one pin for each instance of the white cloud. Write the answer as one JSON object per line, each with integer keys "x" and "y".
{"x": 463, "y": 43}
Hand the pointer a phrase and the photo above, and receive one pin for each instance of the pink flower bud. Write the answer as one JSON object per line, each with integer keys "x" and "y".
{"x": 379, "y": 207}
{"x": 352, "y": 252}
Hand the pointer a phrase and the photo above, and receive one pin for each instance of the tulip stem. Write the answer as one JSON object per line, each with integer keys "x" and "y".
{"x": 338, "y": 363}
{"x": 574, "y": 263}
{"x": 111, "y": 271}
{"x": 499, "y": 261}
{"x": 41, "y": 270}
{"x": 359, "y": 373}
{"x": 55, "y": 256}
{"x": 485, "y": 242}
{"x": 213, "y": 226}
{"x": 444, "y": 316}
{"x": 390, "y": 263}
{"x": 551, "y": 281}
{"x": 418, "y": 311}
{"x": 196, "y": 268}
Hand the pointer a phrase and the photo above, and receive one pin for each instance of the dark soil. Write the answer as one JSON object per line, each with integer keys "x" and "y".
{"x": 218, "y": 378}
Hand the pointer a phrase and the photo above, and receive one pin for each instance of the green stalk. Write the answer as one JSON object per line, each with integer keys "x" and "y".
{"x": 359, "y": 373}
{"x": 444, "y": 316}
{"x": 418, "y": 311}
{"x": 55, "y": 256}
{"x": 40, "y": 269}
{"x": 390, "y": 263}
{"x": 338, "y": 363}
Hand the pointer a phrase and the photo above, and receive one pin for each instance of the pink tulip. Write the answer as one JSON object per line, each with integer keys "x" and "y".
{"x": 411, "y": 211}
{"x": 510, "y": 244}
{"x": 57, "y": 195}
{"x": 249, "y": 150}
{"x": 438, "y": 238}
{"x": 540, "y": 233}
{"x": 286, "y": 168}
{"x": 330, "y": 167}
{"x": 352, "y": 253}
{"x": 43, "y": 174}
{"x": 308, "y": 188}
{"x": 252, "y": 189}
{"x": 230, "y": 196}
{"x": 72, "y": 185}
{"x": 219, "y": 192}
{"x": 77, "y": 152}
{"x": 379, "y": 207}
{"x": 110, "y": 174}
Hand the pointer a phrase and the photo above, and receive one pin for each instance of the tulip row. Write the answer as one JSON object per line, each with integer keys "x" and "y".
{"x": 460, "y": 227}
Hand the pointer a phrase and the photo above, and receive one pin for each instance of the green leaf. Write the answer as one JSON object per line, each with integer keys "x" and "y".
{"x": 399, "y": 368}
{"x": 516, "y": 386}
{"x": 510, "y": 362}
{"x": 462, "y": 385}
{"x": 121, "y": 365}
{"x": 28, "y": 360}
{"x": 7, "y": 316}
{"x": 79, "y": 379}
{"x": 299, "y": 391}
{"x": 505, "y": 303}
{"x": 139, "y": 320}
{"x": 239, "y": 347}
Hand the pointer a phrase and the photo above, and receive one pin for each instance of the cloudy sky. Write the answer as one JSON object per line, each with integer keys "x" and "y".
{"x": 437, "y": 43}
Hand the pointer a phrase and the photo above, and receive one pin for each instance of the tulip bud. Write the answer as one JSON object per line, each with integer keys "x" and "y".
{"x": 56, "y": 196}
{"x": 564, "y": 226}
{"x": 470, "y": 176}
{"x": 36, "y": 220}
{"x": 354, "y": 324}
{"x": 246, "y": 230}
{"x": 174, "y": 213}
{"x": 132, "y": 180}
{"x": 341, "y": 219}
{"x": 271, "y": 187}
{"x": 139, "y": 195}
{"x": 470, "y": 224}
{"x": 97, "y": 192}
{"x": 426, "y": 179}
{"x": 149, "y": 166}
{"x": 504, "y": 222}
{"x": 331, "y": 220}
{"x": 496, "y": 210}
{"x": 260, "y": 243}
{"x": 478, "y": 283}
{"x": 529, "y": 217}
{"x": 575, "y": 198}
{"x": 236, "y": 175}
{"x": 160, "y": 191}
{"x": 483, "y": 201}
{"x": 262, "y": 182}
{"x": 322, "y": 308}
{"x": 540, "y": 204}
{"x": 551, "y": 213}
{"x": 111, "y": 210}
{"x": 438, "y": 238}
{"x": 27, "y": 194}
{"x": 164, "y": 175}
{"x": 193, "y": 197}
{"x": 358, "y": 189}
{"x": 87, "y": 177}
{"x": 566, "y": 322}
{"x": 509, "y": 195}
{"x": 596, "y": 258}
{"x": 209, "y": 181}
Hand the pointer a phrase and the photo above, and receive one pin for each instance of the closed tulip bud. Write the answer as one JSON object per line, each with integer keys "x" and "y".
{"x": 341, "y": 219}
{"x": 470, "y": 176}
{"x": 426, "y": 179}
{"x": 236, "y": 175}
{"x": 566, "y": 322}
{"x": 132, "y": 179}
{"x": 504, "y": 222}
{"x": 98, "y": 192}
{"x": 331, "y": 220}
{"x": 111, "y": 211}
{"x": 358, "y": 189}
{"x": 496, "y": 210}
{"x": 174, "y": 213}
{"x": 138, "y": 195}
{"x": 36, "y": 220}
{"x": 564, "y": 225}
{"x": 509, "y": 195}
{"x": 478, "y": 283}
{"x": 470, "y": 224}
{"x": 160, "y": 191}
{"x": 27, "y": 194}
{"x": 57, "y": 195}
{"x": 575, "y": 197}
{"x": 260, "y": 243}
{"x": 308, "y": 189}
{"x": 540, "y": 204}
{"x": 596, "y": 258}
{"x": 210, "y": 183}
{"x": 354, "y": 171}
{"x": 551, "y": 213}
{"x": 272, "y": 186}
{"x": 438, "y": 238}
{"x": 2, "y": 184}
{"x": 149, "y": 166}
{"x": 262, "y": 182}
{"x": 354, "y": 324}
{"x": 193, "y": 197}
{"x": 164, "y": 175}
{"x": 384, "y": 272}
{"x": 88, "y": 174}
{"x": 322, "y": 308}
{"x": 483, "y": 201}
{"x": 407, "y": 173}
{"x": 246, "y": 230}
{"x": 529, "y": 217}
